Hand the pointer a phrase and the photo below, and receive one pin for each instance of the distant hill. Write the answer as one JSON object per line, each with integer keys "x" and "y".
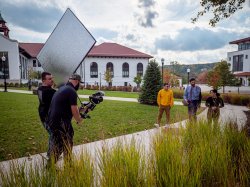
{"x": 195, "y": 69}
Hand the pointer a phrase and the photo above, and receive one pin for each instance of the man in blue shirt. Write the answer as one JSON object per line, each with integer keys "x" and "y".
{"x": 192, "y": 95}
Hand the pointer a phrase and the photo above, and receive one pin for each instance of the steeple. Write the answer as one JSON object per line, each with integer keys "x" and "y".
{"x": 3, "y": 28}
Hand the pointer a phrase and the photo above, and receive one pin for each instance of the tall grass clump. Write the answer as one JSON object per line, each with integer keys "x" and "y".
{"x": 206, "y": 154}
{"x": 79, "y": 172}
{"x": 238, "y": 145}
{"x": 121, "y": 165}
{"x": 202, "y": 154}
{"x": 168, "y": 161}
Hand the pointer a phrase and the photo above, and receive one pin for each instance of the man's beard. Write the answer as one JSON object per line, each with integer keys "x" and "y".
{"x": 77, "y": 86}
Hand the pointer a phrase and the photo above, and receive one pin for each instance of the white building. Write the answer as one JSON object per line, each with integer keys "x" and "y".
{"x": 239, "y": 60}
{"x": 124, "y": 63}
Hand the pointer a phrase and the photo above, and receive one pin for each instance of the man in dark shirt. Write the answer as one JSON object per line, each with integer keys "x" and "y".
{"x": 45, "y": 93}
{"x": 63, "y": 108}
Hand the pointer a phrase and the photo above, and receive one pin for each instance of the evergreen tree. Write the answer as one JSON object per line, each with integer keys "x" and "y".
{"x": 151, "y": 84}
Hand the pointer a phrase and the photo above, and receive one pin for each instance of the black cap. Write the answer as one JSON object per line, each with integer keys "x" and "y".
{"x": 76, "y": 77}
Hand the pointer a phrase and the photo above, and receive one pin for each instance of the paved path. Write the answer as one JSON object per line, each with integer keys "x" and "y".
{"x": 229, "y": 112}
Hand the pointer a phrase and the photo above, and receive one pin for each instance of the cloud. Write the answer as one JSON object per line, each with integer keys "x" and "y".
{"x": 146, "y": 3}
{"x": 195, "y": 39}
{"x": 147, "y": 13}
{"x": 31, "y": 16}
{"x": 104, "y": 33}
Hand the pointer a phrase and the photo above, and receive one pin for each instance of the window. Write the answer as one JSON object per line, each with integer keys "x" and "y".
{"x": 246, "y": 57}
{"x": 125, "y": 70}
{"x": 139, "y": 69}
{"x": 39, "y": 64}
{"x": 125, "y": 83}
{"x": 229, "y": 58}
{"x": 238, "y": 63}
{"x": 34, "y": 63}
{"x": 110, "y": 67}
{"x": 93, "y": 70}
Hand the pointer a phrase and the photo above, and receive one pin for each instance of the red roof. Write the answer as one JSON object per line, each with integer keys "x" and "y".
{"x": 115, "y": 50}
{"x": 242, "y": 74}
{"x": 31, "y": 48}
{"x": 240, "y": 41}
{"x": 102, "y": 50}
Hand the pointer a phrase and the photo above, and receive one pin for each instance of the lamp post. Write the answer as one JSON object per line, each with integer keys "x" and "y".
{"x": 188, "y": 71}
{"x": 4, "y": 75}
{"x": 162, "y": 64}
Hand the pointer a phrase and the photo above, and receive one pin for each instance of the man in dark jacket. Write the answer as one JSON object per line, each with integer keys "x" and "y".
{"x": 63, "y": 108}
{"x": 45, "y": 93}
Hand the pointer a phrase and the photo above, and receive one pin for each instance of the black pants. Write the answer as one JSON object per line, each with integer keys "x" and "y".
{"x": 60, "y": 141}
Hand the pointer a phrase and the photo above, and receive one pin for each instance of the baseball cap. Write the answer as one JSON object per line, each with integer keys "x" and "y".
{"x": 76, "y": 77}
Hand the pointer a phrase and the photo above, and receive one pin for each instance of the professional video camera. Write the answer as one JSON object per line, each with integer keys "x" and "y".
{"x": 94, "y": 99}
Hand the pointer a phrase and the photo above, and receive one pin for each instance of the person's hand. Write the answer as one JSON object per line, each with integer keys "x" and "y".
{"x": 214, "y": 108}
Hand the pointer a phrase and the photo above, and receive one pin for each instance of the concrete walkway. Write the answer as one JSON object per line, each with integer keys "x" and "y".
{"x": 229, "y": 112}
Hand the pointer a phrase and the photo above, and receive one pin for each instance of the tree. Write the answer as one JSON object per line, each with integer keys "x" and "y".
{"x": 202, "y": 77}
{"x": 220, "y": 8}
{"x": 213, "y": 79}
{"x": 108, "y": 76}
{"x": 151, "y": 84}
{"x": 222, "y": 76}
{"x": 138, "y": 80}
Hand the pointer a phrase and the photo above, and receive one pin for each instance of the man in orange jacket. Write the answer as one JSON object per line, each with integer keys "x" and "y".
{"x": 165, "y": 100}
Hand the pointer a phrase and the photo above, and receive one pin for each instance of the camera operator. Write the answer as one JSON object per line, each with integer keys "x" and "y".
{"x": 45, "y": 93}
{"x": 63, "y": 107}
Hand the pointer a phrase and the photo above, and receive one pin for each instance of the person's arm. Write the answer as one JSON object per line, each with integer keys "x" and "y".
{"x": 221, "y": 103}
{"x": 159, "y": 98}
{"x": 172, "y": 99}
{"x": 76, "y": 114}
{"x": 200, "y": 96}
{"x": 208, "y": 102}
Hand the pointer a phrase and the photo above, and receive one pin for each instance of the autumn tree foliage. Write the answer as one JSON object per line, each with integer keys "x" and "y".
{"x": 213, "y": 79}
{"x": 202, "y": 77}
{"x": 221, "y": 9}
{"x": 108, "y": 76}
{"x": 221, "y": 76}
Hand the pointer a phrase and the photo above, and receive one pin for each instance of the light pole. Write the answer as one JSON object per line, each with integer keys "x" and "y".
{"x": 162, "y": 64}
{"x": 4, "y": 75}
{"x": 188, "y": 71}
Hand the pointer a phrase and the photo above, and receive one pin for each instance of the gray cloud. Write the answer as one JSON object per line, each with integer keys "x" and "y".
{"x": 195, "y": 39}
{"x": 146, "y": 3}
{"x": 131, "y": 37}
{"x": 146, "y": 18}
{"x": 30, "y": 16}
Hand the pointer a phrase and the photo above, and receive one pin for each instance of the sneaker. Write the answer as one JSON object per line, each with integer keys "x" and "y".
{"x": 157, "y": 125}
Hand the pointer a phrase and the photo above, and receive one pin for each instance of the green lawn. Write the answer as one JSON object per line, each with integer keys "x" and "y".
{"x": 23, "y": 134}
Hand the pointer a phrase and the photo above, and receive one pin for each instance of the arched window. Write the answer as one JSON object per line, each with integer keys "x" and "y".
{"x": 139, "y": 69}
{"x": 110, "y": 67}
{"x": 93, "y": 70}
{"x": 125, "y": 70}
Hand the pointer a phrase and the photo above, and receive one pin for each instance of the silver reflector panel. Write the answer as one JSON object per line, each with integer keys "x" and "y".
{"x": 66, "y": 47}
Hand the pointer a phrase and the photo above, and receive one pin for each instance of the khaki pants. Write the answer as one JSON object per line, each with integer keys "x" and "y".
{"x": 161, "y": 111}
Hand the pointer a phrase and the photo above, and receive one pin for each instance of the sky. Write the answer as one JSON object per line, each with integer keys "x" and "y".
{"x": 162, "y": 29}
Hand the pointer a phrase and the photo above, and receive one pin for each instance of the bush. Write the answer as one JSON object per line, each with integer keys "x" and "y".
{"x": 151, "y": 84}
{"x": 236, "y": 99}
